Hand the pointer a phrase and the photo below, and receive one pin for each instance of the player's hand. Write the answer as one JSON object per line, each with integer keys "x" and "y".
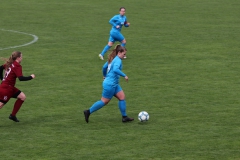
{"x": 128, "y": 24}
{"x": 117, "y": 26}
{"x": 126, "y": 78}
{"x": 33, "y": 76}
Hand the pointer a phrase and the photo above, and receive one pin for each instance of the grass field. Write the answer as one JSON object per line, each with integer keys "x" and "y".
{"x": 183, "y": 66}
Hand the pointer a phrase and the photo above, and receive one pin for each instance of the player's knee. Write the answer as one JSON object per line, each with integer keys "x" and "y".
{"x": 1, "y": 105}
{"x": 105, "y": 101}
{"x": 110, "y": 44}
{"x": 22, "y": 96}
{"x": 121, "y": 97}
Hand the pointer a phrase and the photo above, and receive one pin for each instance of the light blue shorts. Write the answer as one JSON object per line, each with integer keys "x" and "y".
{"x": 109, "y": 91}
{"x": 116, "y": 36}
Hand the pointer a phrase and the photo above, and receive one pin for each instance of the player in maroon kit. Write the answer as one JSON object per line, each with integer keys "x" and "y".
{"x": 13, "y": 70}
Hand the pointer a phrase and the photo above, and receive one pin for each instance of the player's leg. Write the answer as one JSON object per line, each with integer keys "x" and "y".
{"x": 107, "y": 95}
{"x": 122, "y": 40}
{"x": 107, "y": 47}
{"x": 17, "y": 105}
{"x": 1, "y": 105}
{"x": 122, "y": 104}
{"x": 119, "y": 37}
{"x": 99, "y": 104}
{"x": 6, "y": 92}
{"x": 3, "y": 96}
{"x": 123, "y": 43}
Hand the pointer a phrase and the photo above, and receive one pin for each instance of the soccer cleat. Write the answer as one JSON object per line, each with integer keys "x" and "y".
{"x": 86, "y": 114}
{"x": 14, "y": 118}
{"x": 101, "y": 57}
{"x": 127, "y": 119}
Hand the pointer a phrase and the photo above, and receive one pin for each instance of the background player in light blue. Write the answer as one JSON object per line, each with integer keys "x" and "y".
{"x": 117, "y": 22}
{"x": 111, "y": 74}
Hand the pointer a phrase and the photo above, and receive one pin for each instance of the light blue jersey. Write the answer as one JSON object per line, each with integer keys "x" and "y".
{"x": 112, "y": 72}
{"x": 118, "y": 20}
{"x": 111, "y": 88}
{"x": 115, "y": 33}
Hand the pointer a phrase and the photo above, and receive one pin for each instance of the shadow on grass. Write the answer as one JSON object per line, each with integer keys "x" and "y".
{"x": 143, "y": 123}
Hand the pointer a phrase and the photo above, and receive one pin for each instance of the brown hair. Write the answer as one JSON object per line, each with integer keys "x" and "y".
{"x": 118, "y": 48}
{"x": 12, "y": 58}
{"x": 122, "y": 8}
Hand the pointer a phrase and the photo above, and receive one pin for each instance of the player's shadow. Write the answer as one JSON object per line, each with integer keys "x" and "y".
{"x": 143, "y": 123}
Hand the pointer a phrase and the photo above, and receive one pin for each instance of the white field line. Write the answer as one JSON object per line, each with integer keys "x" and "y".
{"x": 35, "y": 38}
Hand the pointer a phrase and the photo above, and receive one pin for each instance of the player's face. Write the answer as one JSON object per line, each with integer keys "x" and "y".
{"x": 122, "y": 11}
{"x": 20, "y": 59}
{"x": 122, "y": 54}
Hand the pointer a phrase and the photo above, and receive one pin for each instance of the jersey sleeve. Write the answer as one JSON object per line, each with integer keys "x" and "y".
{"x": 125, "y": 23}
{"x": 1, "y": 72}
{"x": 116, "y": 69}
{"x": 18, "y": 71}
{"x": 113, "y": 20}
{"x": 104, "y": 69}
{"x": 22, "y": 78}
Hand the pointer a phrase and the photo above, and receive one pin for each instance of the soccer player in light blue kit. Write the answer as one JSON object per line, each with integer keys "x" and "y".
{"x": 111, "y": 73}
{"x": 115, "y": 34}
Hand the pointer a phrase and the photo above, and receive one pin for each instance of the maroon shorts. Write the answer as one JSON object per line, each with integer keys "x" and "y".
{"x": 7, "y": 92}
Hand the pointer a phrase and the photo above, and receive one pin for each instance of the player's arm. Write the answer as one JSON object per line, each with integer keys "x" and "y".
{"x": 116, "y": 69}
{"x": 18, "y": 72}
{"x": 1, "y": 72}
{"x": 22, "y": 78}
{"x": 113, "y": 21}
{"x": 104, "y": 69}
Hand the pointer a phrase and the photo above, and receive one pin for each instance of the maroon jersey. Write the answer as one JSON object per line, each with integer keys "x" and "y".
{"x": 12, "y": 73}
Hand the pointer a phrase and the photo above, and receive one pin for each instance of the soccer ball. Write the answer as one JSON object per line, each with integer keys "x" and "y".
{"x": 143, "y": 116}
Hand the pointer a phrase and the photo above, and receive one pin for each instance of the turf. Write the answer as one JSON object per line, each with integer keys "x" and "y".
{"x": 183, "y": 68}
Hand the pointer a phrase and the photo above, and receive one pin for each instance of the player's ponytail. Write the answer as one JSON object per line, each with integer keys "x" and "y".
{"x": 12, "y": 58}
{"x": 113, "y": 54}
{"x": 118, "y": 48}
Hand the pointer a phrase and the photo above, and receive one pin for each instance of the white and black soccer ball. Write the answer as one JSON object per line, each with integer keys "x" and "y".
{"x": 143, "y": 116}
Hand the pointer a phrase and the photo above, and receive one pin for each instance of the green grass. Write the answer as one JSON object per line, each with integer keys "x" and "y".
{"x": 183, "y": 66}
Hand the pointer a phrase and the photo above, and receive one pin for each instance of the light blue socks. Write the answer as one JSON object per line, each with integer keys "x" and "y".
{"x": 122, "y": 107}
{"x": 123, "y": 44}
{"x": 96, "y": 106}
{"x": 105, "y": 49}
